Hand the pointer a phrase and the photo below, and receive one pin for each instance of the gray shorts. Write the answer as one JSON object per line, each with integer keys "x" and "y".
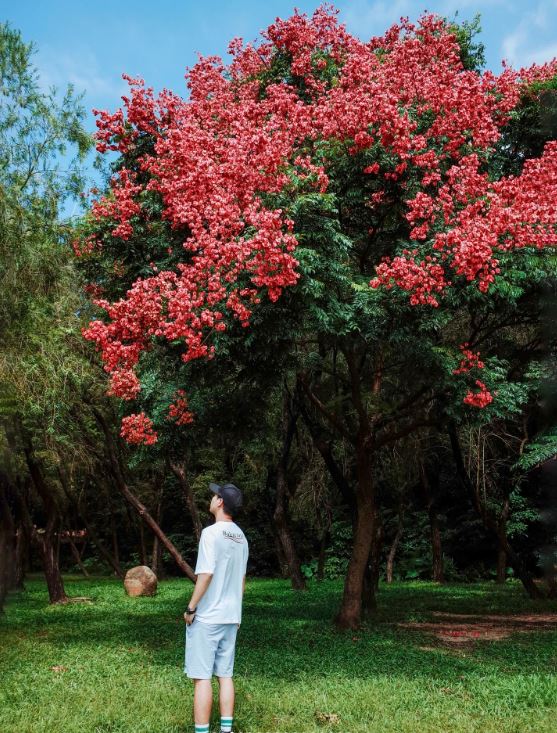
{"x": 210, "y": 650}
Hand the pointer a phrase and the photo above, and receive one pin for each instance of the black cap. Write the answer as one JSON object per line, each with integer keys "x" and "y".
{"x": 231, "y": 494}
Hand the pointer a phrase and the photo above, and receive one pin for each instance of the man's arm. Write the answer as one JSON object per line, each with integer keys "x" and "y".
{"x": 201, "y": 584}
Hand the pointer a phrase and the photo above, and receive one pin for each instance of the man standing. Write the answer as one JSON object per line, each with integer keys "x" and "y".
{"x": 214, "y": 613}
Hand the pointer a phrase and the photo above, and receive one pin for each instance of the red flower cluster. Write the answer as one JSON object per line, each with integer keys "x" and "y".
{"x": 137, "y": 429}
{"x": 125, "y": 384}
{"x": 478, "y": 399}
{"x": 178, "y": 410}
{"x": 469, "y": 360}
{"x": 220, "y": 158}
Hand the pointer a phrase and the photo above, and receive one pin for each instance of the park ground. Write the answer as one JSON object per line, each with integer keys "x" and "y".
{"x": 475, "y": 658}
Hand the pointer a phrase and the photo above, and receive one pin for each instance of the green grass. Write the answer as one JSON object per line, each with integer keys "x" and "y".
{"x": 124, "y": 663}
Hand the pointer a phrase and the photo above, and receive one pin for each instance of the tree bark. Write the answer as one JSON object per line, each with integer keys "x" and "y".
{"x": 394, "y": 546}
{"x": 48, "y": 539}
{"x": 135, "y": 502}
{"x": 373, "y": 570}
{"x": 349, "y": 615}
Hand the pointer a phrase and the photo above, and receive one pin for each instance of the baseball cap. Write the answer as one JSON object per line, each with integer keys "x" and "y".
{"x": 231, "y": 494}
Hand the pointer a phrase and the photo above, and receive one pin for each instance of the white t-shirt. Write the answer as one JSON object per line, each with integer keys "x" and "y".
{"x": 223, "y": 551}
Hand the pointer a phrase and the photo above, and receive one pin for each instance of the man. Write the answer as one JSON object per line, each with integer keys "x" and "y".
{"x": 214, "y": 613}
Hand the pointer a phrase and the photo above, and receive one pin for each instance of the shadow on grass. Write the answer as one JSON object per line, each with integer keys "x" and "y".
{"x": 287, "y": 635}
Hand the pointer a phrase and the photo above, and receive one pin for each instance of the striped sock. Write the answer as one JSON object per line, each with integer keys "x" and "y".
{"x": 225, "y": 725}
{"x": 202, "y": 728}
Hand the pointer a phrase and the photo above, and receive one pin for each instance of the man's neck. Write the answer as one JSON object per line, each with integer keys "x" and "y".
{"x": 223, "y": 518}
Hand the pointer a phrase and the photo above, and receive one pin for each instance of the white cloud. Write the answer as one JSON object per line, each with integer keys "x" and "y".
{"x": 531, "y": 41}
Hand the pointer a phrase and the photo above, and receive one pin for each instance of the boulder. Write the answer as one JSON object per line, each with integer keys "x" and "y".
{"x": 140, "y": 581}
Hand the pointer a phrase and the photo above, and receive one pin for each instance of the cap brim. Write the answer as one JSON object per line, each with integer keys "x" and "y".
{"x": 215, "y": 488}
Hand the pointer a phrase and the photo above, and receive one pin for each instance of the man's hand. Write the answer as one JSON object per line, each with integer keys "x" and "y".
{"x": 188, "y": 618}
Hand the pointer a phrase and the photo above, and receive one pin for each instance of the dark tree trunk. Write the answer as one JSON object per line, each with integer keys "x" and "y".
{"x": 394, "y": 546}
{"x": 21, "y": 555}
{"x": 48, "y": 539}
{"x": 436, "y": 546}
{"x": 142, "y": 546}
{"x": 501, "y": 535}
{"x": 281, "y": 557}
{"x": 77, "y": 556}
{"x": 490, "y": 523}
{"x": 135, "y": 502}
{"x": 325, "y": 537}
{"x": 48, "y": 547}
{"x": 373, "y": 570}
{"x": 179, "y": 470}
{"x": 7, "y": 544}
{"x": 156, "y": 553}
{"x": 280, "y": 515}
{"x": 349, "y": 615}
{"x": 25, "y": 533}
{"x": 430, "y": 485}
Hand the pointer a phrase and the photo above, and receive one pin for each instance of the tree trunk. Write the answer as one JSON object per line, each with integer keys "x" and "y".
{"x": 156, "y": 553}
{"x": 490, "y": 523}
{"x": 373, "y": 570}
{"x": 322, "y": 553}
{"x": 280, "y": 515}
{"x": 7, "y": 545}
{"x": 502, "y": 533}
{"x": 142, "y": 546}
{"x": 436, "y": 546}
{"x": 349, "y": 615}
{"x": 21, "y": 554}
{"x": 48, "y": 540}
{"x": 77, "y": 556}
{"x": 430, "y": 483}
{"x": 48, "y": 547}
{"x": 179, "y": 470}
{"x": 136, "y": 503}
{"x": 394, "y": 546}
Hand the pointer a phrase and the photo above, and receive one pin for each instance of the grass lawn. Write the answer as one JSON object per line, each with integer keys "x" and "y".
{"x": 116, "y": 665}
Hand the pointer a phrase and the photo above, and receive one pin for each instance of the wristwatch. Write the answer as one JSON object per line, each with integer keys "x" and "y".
{"x": 191, "y": 610}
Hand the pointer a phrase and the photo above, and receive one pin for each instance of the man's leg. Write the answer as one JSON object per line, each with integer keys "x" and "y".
{"x": 226, "y": 697}
{"x": 202, "y": 703}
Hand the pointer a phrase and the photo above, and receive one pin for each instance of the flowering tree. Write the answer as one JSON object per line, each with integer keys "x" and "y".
{"x": 357, "y": 181}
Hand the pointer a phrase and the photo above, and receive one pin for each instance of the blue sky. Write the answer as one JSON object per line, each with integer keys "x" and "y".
{"x": 91, "y": 44}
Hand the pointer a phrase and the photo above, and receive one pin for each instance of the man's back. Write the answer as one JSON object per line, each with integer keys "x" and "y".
{"x": 223, "y": 552}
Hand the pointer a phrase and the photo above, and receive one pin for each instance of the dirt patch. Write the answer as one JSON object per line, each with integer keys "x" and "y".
{"x": 463, "y": 628}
